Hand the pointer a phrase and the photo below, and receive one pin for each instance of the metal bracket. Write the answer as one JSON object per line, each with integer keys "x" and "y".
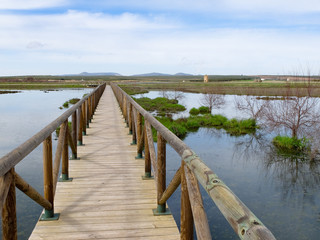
{"x": 48, "y": 215}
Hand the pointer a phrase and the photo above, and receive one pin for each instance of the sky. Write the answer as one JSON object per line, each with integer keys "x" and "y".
{"x": 53, "y": 37}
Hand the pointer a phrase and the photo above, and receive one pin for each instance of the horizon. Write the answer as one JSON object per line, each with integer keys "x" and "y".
{"x": 54, "y": 37}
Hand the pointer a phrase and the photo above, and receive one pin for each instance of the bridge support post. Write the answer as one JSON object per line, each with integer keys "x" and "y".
{"x": 88, "y": 112}
{"x": 140, "y": 137}
{"x": 186, "y": 218}
{"x": 65, "y": 160}
{"x": 80, "y": 127}
{"x": 74, "y": 135}
{"x": 130, "y": 119}
{"x": 9, "y": 216}
{"x": 49, "y": 214}
{"x": 161, "y": 169}
{"x": 84, "y": 121}
{"x": 147, "y": 158}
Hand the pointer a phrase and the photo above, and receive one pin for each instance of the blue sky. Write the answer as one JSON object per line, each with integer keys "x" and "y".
{"x": 130, "y": 37}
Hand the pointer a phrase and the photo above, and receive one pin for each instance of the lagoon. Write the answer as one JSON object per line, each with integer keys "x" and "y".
{"x": 283, "y": 192}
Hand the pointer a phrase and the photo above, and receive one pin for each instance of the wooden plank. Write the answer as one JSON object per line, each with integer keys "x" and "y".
{"x": 107, "y": 198}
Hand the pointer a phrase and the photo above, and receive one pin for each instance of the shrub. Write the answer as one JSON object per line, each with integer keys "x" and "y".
{"x": 204, "y": 110}
{"x": 66, "y": 105}
{"x": 218, "y": 120}
{"x": 194, "y": 111}
{"x": 160, "y": 104}
{"x": 74, "y": 100}
{"x": 193, "y": 124}
{"x": 291, "y": 144}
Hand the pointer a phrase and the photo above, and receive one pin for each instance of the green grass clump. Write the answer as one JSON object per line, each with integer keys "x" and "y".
{"x": 160, "y": 104}
{"x": 194, "y": 111}
{"x": 193, "y": 124}
{"x": 70, "y": 101}
{"x": 66, "y": 104}
{"x": 204, "y": 110}
{"x": 291, "y": 144}
{"x": 240, "y": 127}
{"x": 177, "y": 127}
{"x": 74, "y": 100}
{"x": 218, "y": 120}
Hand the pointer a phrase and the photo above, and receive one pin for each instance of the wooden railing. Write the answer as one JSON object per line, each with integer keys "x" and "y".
{"x": 192, "y": 170}
{"x": 81, "y": 114}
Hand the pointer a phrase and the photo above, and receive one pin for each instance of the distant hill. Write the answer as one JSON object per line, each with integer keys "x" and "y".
{"x": 100, "y": 74}
{"x": 153, "y": 74}
{"x": 94, "y": 74}
{"x": 183, "y": 74}
{"x": 160, "y": 74}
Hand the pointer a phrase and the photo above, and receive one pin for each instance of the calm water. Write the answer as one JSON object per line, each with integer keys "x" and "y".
{"x": 283, "y": 193}
{"x": 23, "y": 115}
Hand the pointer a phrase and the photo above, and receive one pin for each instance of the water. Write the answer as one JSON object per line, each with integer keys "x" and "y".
{"x": 282, "y": 191}
{"x": 23, "y": 115}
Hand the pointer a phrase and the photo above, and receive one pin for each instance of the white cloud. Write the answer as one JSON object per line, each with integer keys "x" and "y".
{"x": 34, "y": 45}
{"x": 129, "y": 43}
{"x": 30, "y": 4}
{"x": 279, "y": 6}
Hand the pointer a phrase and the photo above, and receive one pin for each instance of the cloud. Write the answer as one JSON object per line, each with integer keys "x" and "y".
{"x": 132, "y": 43}
{"x": 279, "y": 6}
{"x": 34, "y": 45}
{"x": 30, "y": 4}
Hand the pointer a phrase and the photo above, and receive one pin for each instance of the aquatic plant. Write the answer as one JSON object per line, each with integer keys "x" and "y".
{"x": 291, "y": 144}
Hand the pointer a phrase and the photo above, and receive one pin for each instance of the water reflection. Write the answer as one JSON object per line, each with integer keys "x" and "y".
{"x": 22, "y": 116}
{"x": 282, "y": 190}
{"x": 296, "y": 173}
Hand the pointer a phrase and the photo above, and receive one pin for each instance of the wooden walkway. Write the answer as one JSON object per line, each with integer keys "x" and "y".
{"x": 107, "y": 198}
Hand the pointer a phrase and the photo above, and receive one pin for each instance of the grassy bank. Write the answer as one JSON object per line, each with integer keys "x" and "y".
{"x": 182, "y": 126}
{"x": 39, "y": 86}
{"x": 240, "y": 87}
{"x": 160, "y": 104}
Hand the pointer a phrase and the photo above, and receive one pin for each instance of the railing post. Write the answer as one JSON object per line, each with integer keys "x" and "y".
{"x": 125, "y": 110}
{"x": 147, "y": 159}
{"x": 9, "y": 216}
{"x": 130, "y": 118}
{"x": 139, "y": 136}
{"x": 186, "y": 218}
{"x": 133, "y": 127}
{"x": 65, "y": 158}
{"x": 74, "y": 134}
{"x": 80, "y": 126}
{"x": 48, "y": 180}
{"x": 88, "y": 112}
{"x": 90, "y": 108}
{"x": 84, "y": 121}
{"x": 161, "y": 169}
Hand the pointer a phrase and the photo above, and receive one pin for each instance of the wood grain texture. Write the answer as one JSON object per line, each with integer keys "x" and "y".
{"x": 199, "y": 215}
{"x": 186, "y": 218}
{"x": 107, "y": 198}
{"x": 9, "y": 215}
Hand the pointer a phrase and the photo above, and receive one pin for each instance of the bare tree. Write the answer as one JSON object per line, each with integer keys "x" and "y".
{"x": 250, "y": 106}
{"x": 295, "y": 113}
{"x": 211, "y": 100}
{"x": 176, "y": 95}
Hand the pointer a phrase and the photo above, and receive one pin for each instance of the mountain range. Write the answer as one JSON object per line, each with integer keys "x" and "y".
{"x": 136, "y": 75}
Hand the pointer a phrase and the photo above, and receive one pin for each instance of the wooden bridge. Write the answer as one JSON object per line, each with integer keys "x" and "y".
{"x": 114, "y": 186}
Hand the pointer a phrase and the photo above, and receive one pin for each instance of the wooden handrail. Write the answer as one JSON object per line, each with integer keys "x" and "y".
{"x": 241, "y": 219}
{"x": 9, "y": 179}
{"x": 15, "y": 156}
